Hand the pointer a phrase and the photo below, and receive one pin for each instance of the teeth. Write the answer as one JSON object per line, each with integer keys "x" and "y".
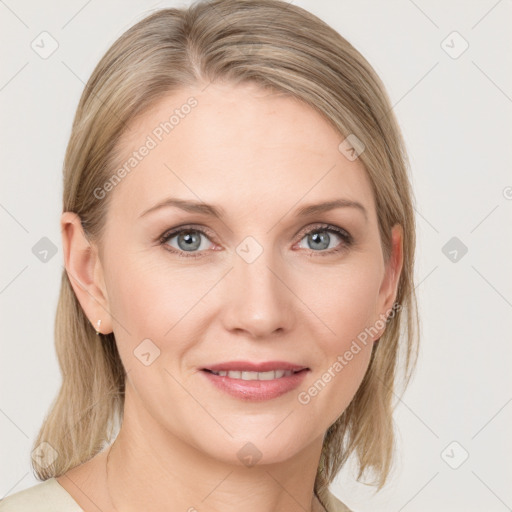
{"x": 277, "y": 374}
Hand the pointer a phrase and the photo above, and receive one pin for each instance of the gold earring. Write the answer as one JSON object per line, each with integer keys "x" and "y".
{"x": 99, "y": 323}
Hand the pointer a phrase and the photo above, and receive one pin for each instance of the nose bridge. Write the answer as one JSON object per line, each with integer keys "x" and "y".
{"x": 259, "y": 301}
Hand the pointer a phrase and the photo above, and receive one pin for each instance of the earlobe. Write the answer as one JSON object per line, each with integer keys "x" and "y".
{"x": 82, "y": 264}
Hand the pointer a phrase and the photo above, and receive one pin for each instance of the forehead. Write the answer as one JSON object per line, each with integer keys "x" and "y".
{"x": 239, "y": 146}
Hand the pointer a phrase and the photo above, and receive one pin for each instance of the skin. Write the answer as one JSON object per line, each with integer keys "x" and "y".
{"x": 178, "y": 443}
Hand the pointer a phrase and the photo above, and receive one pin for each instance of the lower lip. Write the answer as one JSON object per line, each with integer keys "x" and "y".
{"x": 256, "y": 390}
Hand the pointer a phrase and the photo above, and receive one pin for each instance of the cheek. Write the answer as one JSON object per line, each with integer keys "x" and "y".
{"x": 344, "y": 299}
{"x": 149, "y": 300}
{"x": 345, "y": 302}
{"x": 330, "y": 391}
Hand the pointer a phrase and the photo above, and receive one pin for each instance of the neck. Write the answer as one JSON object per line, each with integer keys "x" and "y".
{"x": 149, "y": 468}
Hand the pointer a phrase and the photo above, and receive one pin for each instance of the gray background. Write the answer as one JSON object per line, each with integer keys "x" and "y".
{"x": 455, "y": 112}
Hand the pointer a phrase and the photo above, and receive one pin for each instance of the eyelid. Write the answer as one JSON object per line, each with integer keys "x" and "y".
{"x": 186, "y": 227}
{"x": 323, "y": 226}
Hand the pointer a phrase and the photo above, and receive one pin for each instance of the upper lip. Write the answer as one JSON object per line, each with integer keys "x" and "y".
{"x": 249, "y": 366}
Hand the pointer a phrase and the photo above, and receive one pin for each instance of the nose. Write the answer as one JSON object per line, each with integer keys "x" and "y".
{"x": 259, "y": 300}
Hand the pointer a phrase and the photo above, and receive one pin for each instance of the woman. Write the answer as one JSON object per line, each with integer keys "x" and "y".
{"x": 238, "y": 237}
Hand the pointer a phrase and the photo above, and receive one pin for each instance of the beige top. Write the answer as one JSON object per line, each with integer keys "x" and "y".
{"x": 50, "y": 496}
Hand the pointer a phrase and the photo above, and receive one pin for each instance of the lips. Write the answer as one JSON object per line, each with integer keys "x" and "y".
{"x": 245, "y": 380}
{"x": 249, "y": 366}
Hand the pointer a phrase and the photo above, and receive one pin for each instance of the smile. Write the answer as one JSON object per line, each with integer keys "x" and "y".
{"x": 276, "y": 374}
{"x": 256, "y": 386}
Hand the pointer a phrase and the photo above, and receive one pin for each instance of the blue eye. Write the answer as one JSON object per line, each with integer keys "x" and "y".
{"x": 189, "y": 242}
{"x": 319, "y": 238}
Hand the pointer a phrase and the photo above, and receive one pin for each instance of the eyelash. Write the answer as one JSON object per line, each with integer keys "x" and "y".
{"x": 344, "y": 235}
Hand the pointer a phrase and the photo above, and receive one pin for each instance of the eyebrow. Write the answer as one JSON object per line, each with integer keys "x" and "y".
{"x": 215, "y": 211}
{"x": 313, "y": 209}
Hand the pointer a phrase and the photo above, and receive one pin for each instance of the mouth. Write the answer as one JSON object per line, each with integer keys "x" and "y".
{"x": 251, "y": 375}
{"x": 256, "y": 381}
{"x": 248, "y": 370}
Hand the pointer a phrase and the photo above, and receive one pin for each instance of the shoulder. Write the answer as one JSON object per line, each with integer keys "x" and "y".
{"x": 47, "y": 496}
{"x": 337, "y": 505}
{"x": 333, "y": 504}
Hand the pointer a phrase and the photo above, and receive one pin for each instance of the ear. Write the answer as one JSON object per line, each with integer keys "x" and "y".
{"x": 85, "y": 272}
{"x": 389, "y": 286}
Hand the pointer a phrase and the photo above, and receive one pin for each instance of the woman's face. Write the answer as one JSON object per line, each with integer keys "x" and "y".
{"x": 268, "y": 279}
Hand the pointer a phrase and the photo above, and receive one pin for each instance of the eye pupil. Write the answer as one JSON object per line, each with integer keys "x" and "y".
{"x": 322, "y": 238}
{"x": 191, "y": 238}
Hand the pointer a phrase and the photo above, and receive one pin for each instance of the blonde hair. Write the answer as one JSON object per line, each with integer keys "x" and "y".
{"x": 281, "y": 47}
